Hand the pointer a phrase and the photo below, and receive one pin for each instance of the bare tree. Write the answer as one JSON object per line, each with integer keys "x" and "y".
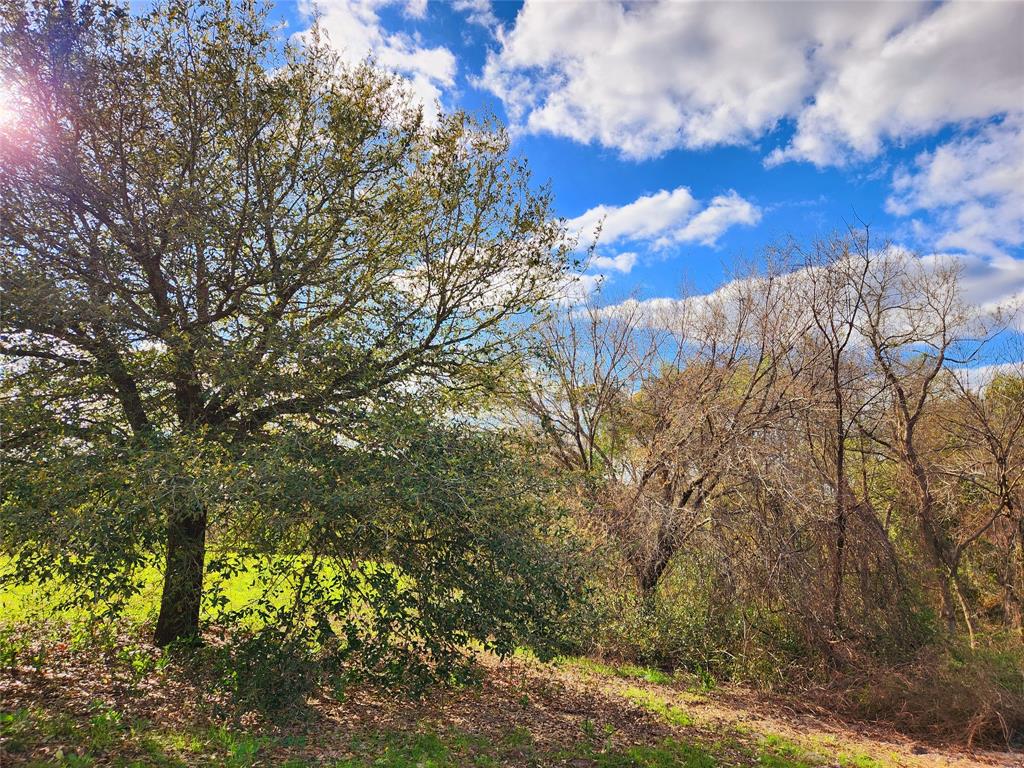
{"x": 588, "y": 361}
{"x": 654, "y": 407}
{"x": 833, "y": 280}
{"x": 915, "y": 324}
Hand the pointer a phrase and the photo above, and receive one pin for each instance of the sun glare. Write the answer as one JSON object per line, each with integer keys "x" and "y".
{"x": 7, "y": 106}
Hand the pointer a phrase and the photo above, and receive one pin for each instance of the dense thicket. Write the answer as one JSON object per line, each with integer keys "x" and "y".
{"x": 807, "y": 472}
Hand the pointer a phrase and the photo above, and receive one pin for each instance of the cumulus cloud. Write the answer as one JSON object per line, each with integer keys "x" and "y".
{"x": 645, "y": 78}
{"x": 355, "y": 30}
{"x": 666, "y": 217}
{"x": 477, "y": 12}
{"x": 974, "y": 187}
{"x": 621, "y": 262}
{"x": 963, "y": 61}
{"x": 723, "y": 212}
{"x": 643, "y": 219}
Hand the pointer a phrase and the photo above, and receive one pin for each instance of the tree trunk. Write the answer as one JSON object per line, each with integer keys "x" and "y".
{"x": 1013, "y": 605}
{"x": 183, "y": 576}
{"x": 943, "y": 573}
{"x": 650, "y": 570}
{"x": 841, "y": 507}
{"x": 935, "y": 541}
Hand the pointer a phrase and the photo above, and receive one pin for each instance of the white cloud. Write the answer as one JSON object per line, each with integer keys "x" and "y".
{"x": 991, "y": 284}
{"x": 973, "y": 185}
{"x": 644, "y": 218}
{"x": 980, "y": 376}
{"x": 621, "y": 262}
{"x": 992, "y": 287}
{"x": 354, "y": 29}
{"x": 723, "y": 212}
{"x": 416, "y": 9}
{"x": 964, "y": 61}
{"x": 644, "y": 78}
{"x": 665, "y": 217}
{"x": 477, "y": 12}
{"x": 576, "y": 288}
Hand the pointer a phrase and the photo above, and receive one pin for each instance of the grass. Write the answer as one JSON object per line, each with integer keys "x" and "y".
{"x": 660, "y": 706}
{"x": 31, "y": 601}
{"x": 110, "y": 741}
{"x": 48, "y": 733}
{"x": 42, "y": 737}
{"x": 627, "y": 671}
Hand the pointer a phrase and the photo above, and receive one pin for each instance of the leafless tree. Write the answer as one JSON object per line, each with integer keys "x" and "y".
{"x": 915, "y": 323}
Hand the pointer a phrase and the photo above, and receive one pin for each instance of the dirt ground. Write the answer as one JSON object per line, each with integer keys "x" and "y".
{"x": 550, "y": 705}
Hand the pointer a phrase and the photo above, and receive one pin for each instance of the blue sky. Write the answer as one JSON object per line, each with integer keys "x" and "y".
{"x": 702, "y": 132}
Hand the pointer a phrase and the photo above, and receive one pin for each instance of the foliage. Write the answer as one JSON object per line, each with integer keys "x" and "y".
{"x": 276, "y": 285}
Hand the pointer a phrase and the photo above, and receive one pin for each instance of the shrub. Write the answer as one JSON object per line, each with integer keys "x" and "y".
{"x": 951, "y": 694}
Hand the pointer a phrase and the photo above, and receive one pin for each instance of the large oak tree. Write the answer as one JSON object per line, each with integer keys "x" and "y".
{"x": 211, "y": 239}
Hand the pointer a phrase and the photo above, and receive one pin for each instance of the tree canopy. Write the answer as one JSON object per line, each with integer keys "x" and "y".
{"x": 236, "y": 275}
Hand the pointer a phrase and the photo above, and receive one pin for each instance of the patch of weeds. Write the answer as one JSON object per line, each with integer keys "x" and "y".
{"x": 178, "y": 742}
{"x": 525, "y": 654}
{"x": 780, "y": 752}
{"x": 475, "y": 748}
{"x": 859, "y": 760}
{"x": 659, "y": 706}
{"x": 628, "y": 671}
{"x": 401, "y": 750}
{"x": 105, "y": 728}
{"x": 706, "y": 682}
{"x": 584, "y": 664}
{"x": 13, "y": 645}
{"x": 74, "y": 760}
{"x": 23, "y": 729}
{"x": 141, "y": 661}
{"x": 670, "y": 754}
{"x": 517, "y": 738}
{"x": 15, "y": 730}
{"x": 648, "y": 674}
{"x": 242, "y": 749}
{"x": 156, "y": 753}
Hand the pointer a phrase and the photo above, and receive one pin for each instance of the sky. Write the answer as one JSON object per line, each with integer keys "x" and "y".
{"x": 702, "y": 132}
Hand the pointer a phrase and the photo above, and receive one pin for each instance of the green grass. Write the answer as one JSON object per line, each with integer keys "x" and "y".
{"x": 105, "y": 737}
{"x": 669, "y": 754}
{"x": 107, "y": 740}
{"x": 647, "y": 674}
{"x": 30, "y": 602}
{"x": 627, "y": 671}
{"x": 659, "y": 705}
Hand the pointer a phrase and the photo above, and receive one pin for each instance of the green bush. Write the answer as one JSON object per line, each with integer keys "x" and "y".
{"x": 266, "y": 672}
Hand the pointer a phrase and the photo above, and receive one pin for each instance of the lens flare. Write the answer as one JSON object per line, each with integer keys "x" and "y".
{"x": 7, "y": 105}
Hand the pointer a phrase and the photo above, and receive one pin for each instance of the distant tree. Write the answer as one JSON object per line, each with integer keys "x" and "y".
{"x": 217, "y": 247}
{"x": 654, "y": 408}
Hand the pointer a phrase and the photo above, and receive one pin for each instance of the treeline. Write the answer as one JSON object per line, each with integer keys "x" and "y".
{"x": 806, "y": 472}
